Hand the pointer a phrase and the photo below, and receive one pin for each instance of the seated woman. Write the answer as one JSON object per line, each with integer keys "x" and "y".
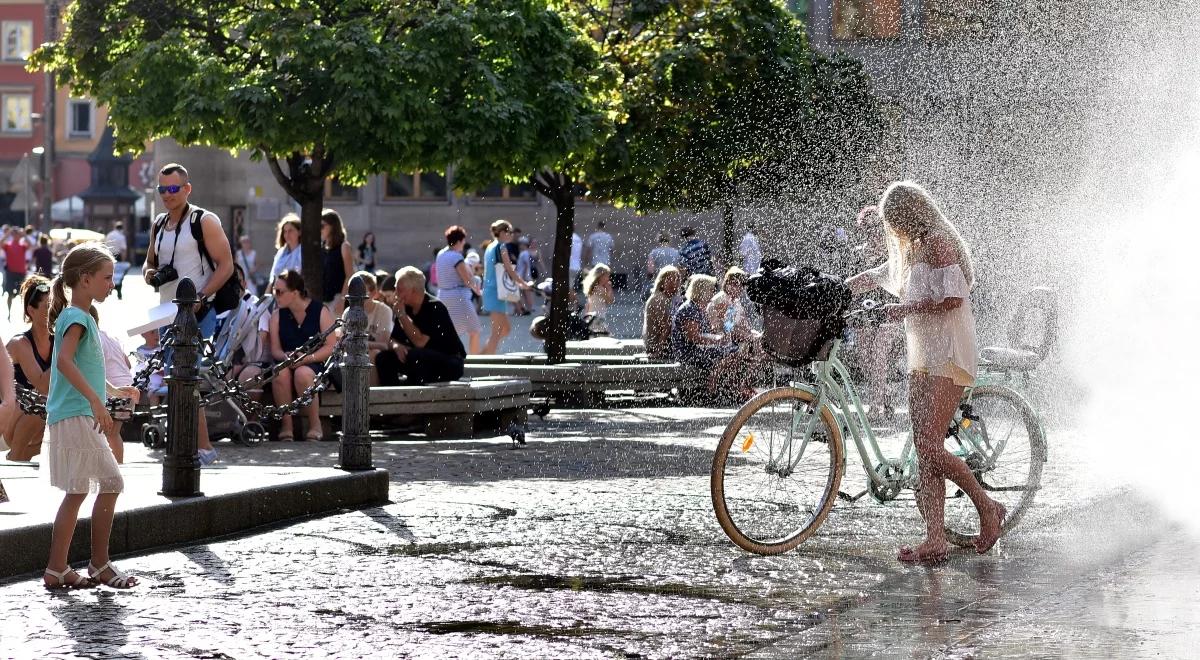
{"x": 297, "y": 319}
{"x": 379, "y": 319}
{"x": 30, "y": 352}
{"x": 694, "y": 342}
{"x": 597, "y": 286}
{"x": 727, "y": 310}
{"x": 656, "y": 317}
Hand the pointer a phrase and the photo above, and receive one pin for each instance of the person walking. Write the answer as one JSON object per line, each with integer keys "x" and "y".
{"x": 600, "y": 245}
{"x": 366, "y": 252}
{"x": 115, "y": 240}
{"x": 78, "y": 457}
{"x": 695, "y": 257}
{"x": 15, "y": 265}
{"x": 188, "y": 241}
{"x": 575, "y": 264}
{"x": 750, "y": 250}
{"x": 287, "y": 240}
{"x": 662, "y": 256}
{"x": 456, "y": 284}
{"x": 247, "y": 258}
{"x": 496, "y": 254}
{"x": 43, "y": 258}
{"x": 929, "y": 268}
{"x": 337, "y": 261}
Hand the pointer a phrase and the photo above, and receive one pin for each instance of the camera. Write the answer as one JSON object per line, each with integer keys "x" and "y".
{"x": 166, "y": 273}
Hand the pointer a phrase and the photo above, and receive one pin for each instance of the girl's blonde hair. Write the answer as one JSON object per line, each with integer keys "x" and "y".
{"x": 909, "y": 215}
{"x": 700, "y": 285}
{"x": 593, "y": 275}
{"x": 500, "y": 226}
{"x": 83, "y": 259}
{"x": 663, "y": 273}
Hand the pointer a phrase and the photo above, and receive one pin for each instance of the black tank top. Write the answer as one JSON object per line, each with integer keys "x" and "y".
{"x": 333, "y": 273}
{"x": 44, "y": 363}
{"x": 292, "y": 335}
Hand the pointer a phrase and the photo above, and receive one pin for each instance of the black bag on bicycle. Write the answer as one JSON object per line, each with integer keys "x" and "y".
{"x": 802, "y": 310}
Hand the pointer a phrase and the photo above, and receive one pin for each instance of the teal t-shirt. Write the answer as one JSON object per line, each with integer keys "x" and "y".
{"x": 64, "y": 401}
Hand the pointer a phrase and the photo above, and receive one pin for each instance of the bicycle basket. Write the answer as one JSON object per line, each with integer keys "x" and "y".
{"x": 802, "y": 311}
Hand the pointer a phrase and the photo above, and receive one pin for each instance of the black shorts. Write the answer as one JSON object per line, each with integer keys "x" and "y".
{"x": 13, "y": 281}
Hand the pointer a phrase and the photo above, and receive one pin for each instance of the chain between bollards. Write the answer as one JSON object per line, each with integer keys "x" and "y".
{"x": 355, "y": 452}
{"x": 181, "y": 465}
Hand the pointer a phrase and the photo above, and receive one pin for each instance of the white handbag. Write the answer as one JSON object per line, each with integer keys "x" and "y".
{"x": 506, "y": 289}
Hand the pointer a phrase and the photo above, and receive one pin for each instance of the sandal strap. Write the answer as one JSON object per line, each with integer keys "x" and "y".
{"x": 61, "y": 576}
{"x": 119, "y": 580}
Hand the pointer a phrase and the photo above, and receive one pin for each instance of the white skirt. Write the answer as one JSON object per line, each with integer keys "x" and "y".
{"x": 79, "y": 459}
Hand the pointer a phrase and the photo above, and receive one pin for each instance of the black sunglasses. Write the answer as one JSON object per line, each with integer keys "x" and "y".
{"x": 169, "y": 189}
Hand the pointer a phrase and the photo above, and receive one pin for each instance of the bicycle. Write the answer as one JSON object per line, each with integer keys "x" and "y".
{"x": 779, "y": 464}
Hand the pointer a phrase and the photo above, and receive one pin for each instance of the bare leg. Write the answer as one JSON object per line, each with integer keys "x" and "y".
{"x": 500, "y": 329}
{"x": 25, "y": 440}
{"x": 303, "y": 379}
{"x": 932, "y": 402}
{"x": 473, "y": 343}
{"x": 115, "y": 443}
{"x": 103, "y": 512}
{"x": 63, "y": 531}
{"x": 281, "y": 387}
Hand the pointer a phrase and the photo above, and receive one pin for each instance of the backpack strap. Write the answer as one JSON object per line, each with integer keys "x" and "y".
{"x": 198, "y": 235}
{"x": 156, "y": 228}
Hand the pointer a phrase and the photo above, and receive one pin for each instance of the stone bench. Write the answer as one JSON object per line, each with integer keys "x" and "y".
{"x": 458, "y": 408}
{"x": 540, "y": 359}
{"x": 605, "y": 346}
{"x": 579, "y": 383}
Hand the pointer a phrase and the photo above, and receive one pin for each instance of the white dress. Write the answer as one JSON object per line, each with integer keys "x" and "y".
{"x": 941, "y": 344}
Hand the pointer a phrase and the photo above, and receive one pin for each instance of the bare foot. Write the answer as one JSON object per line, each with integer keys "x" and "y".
{"x": 990, "y": 526}
{"x": 927, "y": 552}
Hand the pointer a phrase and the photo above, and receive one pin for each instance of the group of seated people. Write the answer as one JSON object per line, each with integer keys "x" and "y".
{"x": 411, "y": 339}
{"x": 708, "y": 329}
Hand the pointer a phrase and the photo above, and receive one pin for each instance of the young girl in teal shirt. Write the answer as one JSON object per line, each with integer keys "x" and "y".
{"x": 77, "y": 454}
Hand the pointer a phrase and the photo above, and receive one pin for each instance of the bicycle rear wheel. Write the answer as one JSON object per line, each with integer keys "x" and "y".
{"x": 1006, "y": 449}
{"x": 770, "y": 489}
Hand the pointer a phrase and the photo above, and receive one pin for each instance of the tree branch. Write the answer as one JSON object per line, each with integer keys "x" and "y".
{"x": 273, "y": 163}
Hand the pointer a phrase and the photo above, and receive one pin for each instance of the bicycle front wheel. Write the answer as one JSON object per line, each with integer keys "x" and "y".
{"x": 772, "y": 484}
{"x": 1006, "y": 449}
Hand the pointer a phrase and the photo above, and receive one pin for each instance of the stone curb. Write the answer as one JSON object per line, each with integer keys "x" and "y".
{"x": 187, "y": 520}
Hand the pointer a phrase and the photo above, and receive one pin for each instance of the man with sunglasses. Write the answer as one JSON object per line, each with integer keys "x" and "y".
{"x": 174, "y": 253}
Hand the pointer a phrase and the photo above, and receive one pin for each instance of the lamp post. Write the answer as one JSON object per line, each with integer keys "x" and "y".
{"x": 29, "y": 196}
{"x": 47, "y": 170}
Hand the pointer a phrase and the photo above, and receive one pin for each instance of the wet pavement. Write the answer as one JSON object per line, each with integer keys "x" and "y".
{"x": 598, "y": 540}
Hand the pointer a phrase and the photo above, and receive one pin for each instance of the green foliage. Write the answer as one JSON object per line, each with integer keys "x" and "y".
{"x": 499, "y": 87}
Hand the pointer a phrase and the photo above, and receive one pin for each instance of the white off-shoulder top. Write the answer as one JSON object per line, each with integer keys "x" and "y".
{"x": 935, "y": 339}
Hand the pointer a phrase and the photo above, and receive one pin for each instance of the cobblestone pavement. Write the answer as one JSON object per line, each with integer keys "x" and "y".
{"x": 598, "y": 540}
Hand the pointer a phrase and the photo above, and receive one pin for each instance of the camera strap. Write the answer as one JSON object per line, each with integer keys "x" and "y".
{"x": 174, "y": 246}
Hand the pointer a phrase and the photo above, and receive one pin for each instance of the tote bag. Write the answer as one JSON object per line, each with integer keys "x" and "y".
{"x": 506, "y": 289}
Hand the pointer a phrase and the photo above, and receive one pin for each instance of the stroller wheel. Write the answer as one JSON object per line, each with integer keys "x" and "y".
{"x": 153, "y": 436}
{"x": 251, "y": 434}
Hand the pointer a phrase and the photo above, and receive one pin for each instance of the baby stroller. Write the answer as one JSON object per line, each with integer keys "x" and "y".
{"x": 225, "y": 418}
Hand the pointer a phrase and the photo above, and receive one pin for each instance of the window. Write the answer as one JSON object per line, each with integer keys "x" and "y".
{"x": 336, "y": 192}
{"x": 502, "y": 192}
{"x": 421, "y": 186}
{"x": 866, "y": 19}
{"x": 18, "y": 40}
{"x": 79, "y": 118}
{"x": 16, "y": 113}
{"x": 948, "y": 19}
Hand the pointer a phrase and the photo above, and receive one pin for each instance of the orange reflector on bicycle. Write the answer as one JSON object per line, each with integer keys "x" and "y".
{"x": 966, "y": 423}
{"x": 746, "y": 444}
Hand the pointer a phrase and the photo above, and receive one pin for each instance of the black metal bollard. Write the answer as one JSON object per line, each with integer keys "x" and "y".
{"x": 355, "y": 453}
{"x": 181, "y": 466}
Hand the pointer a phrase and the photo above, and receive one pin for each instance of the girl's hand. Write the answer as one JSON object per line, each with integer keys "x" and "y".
{"x": 131, "y": 393}
{"x": 895, "y": 311}
{"x": 103, "y": 420}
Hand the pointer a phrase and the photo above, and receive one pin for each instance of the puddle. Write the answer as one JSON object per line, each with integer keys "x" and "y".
{"x": 512, "y": 628}
{"x": 604, "y": 585}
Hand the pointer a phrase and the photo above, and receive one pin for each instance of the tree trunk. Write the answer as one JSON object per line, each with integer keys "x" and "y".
{"x": 728, "y": 256}
{"x": 559, "y": 189}
{"x": 305, "y": 183}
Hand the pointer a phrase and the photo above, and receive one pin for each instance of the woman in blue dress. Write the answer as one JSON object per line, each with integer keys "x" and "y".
{"x": 492, "y": 304}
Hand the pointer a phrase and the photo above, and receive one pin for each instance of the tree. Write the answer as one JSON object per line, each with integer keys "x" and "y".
{"x": 347, "y": 88}
{"x": 703, "y": 97}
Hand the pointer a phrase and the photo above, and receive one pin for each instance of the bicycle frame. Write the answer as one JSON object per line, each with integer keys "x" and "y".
{"x": 834, "y": 388}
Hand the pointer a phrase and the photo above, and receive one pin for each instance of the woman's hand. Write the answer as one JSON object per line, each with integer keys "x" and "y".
{"x": 103, "y": 420}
